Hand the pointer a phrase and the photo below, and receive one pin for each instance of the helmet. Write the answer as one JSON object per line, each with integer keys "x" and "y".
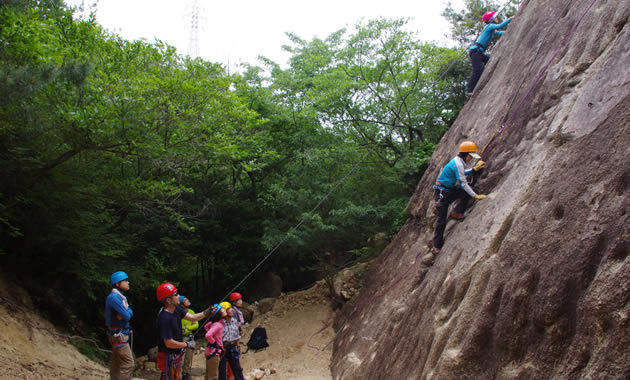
{"x": 165, "y": 290}
{"x": 469, "y": 147}
{"x": 217, "y": 307}
{"x": 225, "y": 305}
{"x": 117, "y": 277}
{"x": 488, "y": 16}
{"x": 235, "y": 296}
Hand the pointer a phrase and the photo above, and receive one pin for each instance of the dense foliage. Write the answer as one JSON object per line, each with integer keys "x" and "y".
{"x": 124, "y": 155}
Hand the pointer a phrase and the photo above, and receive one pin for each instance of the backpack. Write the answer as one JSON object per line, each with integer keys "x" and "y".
{"x": 258, "y": 339}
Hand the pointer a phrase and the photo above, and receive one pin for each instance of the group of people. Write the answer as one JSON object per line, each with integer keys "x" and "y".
{"x": 176, "y": 324}
{"x": 452, "y": 184}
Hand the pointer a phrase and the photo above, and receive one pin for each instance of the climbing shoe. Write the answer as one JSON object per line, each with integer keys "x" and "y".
{"x": 435, "y": 251}
{"x": 457, "y": 216}
{"x": 469, "y": 94}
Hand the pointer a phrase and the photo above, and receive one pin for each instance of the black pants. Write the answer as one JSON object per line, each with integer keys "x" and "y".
{"x": 232, "y": 356}
{"x": 443, "y": 199}
{"x": 478, "y": 60}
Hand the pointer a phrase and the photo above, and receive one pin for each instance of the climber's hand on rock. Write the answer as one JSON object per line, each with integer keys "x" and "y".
{"x": 479, "y": 165}
{"x": 479, "y": 197}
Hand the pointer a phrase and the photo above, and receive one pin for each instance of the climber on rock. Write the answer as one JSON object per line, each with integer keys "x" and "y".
{"x": 477, "y": 54}
{"x": 452, "y": 185}
{"x": 117, "y": 316}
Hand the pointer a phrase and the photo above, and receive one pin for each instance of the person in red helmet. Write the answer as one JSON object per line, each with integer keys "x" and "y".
{"x": 171, "y": 345}
{"x": 452, "y": 186}
{"x": 237, "y": 302}
{"x": 478, "y": 57}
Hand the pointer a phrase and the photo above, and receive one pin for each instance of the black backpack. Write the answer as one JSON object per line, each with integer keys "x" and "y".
{"x": 258, "y": 339}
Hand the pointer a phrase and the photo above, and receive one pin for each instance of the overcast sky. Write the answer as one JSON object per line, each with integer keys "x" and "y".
{"x": 239, "y": 31}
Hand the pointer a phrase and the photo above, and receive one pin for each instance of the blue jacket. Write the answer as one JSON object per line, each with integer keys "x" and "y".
{"x": 453, "y": 176}
{"x": 488, "y": 32}
{"x": 116, "y": 304}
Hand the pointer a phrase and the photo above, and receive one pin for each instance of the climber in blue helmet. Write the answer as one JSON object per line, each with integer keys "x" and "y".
{"x": 117, "y": 316}
{"x": 478, "y": 57}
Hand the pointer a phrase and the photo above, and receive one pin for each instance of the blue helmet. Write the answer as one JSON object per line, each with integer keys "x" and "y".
{"x": 117, "y": 277}
{"x": 219, "y": 307}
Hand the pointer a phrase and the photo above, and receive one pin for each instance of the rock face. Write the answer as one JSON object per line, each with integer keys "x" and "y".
{"x": 535, "y": 282}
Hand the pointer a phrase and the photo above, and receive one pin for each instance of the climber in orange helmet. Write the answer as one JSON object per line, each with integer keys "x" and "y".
{"x": 452, "y": 185}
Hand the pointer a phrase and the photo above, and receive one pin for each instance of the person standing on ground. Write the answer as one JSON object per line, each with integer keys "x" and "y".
{"x": 452, "y": 185}
{"x": 214, "y": 350}
{"x": 118, "y": 313}
{"x": 188, "y": 328}
{"x": 171, "y": 345}
{"x": 231, "y": 337}
{"x": 237, "y": 302}
{"x": 478, "y": 57}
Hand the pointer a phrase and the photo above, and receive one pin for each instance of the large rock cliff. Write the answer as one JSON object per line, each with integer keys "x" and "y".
{"x": 535, "y": 282}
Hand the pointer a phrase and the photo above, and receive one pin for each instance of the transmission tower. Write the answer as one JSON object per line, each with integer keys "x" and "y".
{"x": 193, "y": 42}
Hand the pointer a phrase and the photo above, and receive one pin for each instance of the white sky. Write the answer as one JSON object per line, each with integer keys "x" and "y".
{"x": 239, "y": 31}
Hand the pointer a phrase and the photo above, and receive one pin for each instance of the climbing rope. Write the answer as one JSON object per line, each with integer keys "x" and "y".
{"x": 292, "y": 230}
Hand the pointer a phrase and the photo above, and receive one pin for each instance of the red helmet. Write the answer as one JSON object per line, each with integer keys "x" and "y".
{"x": 488, "y": 16}
{"x": 235, "y": 296}
{"x": 165, "y": 290}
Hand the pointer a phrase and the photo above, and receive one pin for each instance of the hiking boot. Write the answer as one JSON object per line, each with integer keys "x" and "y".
{"x": 457, "y": 216}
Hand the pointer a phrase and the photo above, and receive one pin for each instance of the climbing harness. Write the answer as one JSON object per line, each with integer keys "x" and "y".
{"x": 169, "y": 364}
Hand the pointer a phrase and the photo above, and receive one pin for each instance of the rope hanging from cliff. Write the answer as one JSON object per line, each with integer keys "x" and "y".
{"x": 538, "y": 78}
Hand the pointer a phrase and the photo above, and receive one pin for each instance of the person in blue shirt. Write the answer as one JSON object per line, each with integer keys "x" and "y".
{"x": 118, "y": 313}
{"x": 452, "y": 186}
{"x": 477, "y": 54}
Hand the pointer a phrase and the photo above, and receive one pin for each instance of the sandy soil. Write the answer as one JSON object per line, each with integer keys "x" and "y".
{"x": 32, "y": 348}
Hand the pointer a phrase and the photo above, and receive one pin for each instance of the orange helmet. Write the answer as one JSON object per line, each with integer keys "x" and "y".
{"x": 469, "y": 147}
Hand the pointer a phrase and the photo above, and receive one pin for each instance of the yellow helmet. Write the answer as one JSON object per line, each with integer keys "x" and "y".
{"x": 226, "y": 305}
{"x": 470, "y": 148}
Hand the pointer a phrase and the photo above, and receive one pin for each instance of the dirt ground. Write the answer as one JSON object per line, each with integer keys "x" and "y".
{"x": 31, "y": 346}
